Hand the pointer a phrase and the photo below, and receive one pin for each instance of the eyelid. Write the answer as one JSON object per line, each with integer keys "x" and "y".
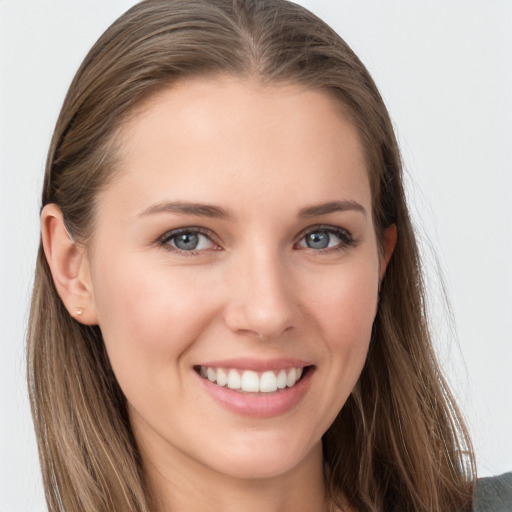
{"x": 163, "y": 240}
{"x": 342, "y": 233}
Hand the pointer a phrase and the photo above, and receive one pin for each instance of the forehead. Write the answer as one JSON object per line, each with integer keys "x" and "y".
{"x": 225, "y": 138}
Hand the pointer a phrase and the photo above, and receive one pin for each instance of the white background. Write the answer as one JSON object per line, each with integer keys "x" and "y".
{"x": 444, "y": 68}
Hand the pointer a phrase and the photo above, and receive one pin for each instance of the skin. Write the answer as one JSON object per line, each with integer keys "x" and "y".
{"x": 252, "y": 289}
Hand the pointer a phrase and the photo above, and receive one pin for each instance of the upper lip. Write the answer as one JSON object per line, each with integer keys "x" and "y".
{"x": 257, "y": 365}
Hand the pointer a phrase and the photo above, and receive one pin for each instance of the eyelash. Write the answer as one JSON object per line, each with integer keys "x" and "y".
{"x": 170, "y": 235}
{"x": 346, "y": 238}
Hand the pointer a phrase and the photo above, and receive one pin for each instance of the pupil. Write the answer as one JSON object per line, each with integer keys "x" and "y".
{"x": 187, "y": 241}
{"x": 319, "y": 240}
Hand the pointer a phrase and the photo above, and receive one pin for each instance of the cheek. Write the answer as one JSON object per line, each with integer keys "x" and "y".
{"x": 345, "y": 313}
{"x": 147, "y": 315}
{"x": 150, "y": 319}
{"x": 346, "y": 306}
{"x": 342, "y": 307}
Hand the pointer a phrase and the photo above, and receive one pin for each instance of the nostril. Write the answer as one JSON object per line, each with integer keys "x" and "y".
{"x": 264, "y": 309}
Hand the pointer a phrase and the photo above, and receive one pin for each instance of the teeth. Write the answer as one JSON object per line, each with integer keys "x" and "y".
{"x": 222, "y": 378}
{"x": 281, "y": 379}
{"x": 250, "y": 381}
{"x": 268, "y": 382}
{"x": 234, "y": 380}
{"x": 291, "y": 379}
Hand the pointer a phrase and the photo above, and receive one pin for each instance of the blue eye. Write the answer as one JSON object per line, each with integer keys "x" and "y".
{"x": 326, "y": 238}
{"x": 187, "y": 240}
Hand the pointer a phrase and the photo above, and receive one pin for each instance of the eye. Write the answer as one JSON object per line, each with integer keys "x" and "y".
{"x": 187, "y": 240}
{"x": 326, "y": 238}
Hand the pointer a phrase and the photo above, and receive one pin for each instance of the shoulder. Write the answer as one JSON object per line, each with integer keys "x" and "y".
{"x": 494, "y": 494}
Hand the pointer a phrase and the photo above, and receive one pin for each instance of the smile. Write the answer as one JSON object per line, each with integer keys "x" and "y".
{"x": 256, "y": 388}
{"x": 250, "y": 381}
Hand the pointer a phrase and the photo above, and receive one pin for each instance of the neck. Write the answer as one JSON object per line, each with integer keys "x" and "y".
{"x": 183, "y": 485}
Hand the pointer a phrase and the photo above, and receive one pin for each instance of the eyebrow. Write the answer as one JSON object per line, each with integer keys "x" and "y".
{"x": 208, "y": 210}
{"x": 196, "y": 209}
{"x": 331, "y": 207}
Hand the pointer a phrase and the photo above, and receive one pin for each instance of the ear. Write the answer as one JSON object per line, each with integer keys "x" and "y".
{"x": 388, "y": 246}
{"x": 69, "y": 266}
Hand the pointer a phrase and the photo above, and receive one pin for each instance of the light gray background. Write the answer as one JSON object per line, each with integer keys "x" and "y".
{"x": 444, "y": 69}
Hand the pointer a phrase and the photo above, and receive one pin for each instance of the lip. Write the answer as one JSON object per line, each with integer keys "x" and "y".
{"x": 257, "y": 365}
{"x": 258, "y": 405}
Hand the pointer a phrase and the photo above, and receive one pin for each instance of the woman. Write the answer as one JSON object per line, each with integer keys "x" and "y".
{"x": 228, "y": 290}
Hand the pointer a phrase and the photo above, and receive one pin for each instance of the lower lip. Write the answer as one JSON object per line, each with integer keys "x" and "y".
{"x": 259, "y": 405}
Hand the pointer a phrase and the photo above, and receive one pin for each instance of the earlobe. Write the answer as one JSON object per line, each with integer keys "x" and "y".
{"x": 69, "y": 266}
{"x": 388, "y": 246}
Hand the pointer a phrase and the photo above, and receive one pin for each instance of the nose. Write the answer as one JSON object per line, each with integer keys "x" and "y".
{"x": 262, "y": 302}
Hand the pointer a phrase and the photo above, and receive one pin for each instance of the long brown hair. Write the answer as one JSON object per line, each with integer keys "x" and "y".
{"x": 399, "y": 442}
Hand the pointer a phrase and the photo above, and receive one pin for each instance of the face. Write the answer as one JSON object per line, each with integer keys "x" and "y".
{"x": 235, "y": 272}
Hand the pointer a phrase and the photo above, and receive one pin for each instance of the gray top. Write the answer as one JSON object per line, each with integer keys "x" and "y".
{"x": 494, "y": 494}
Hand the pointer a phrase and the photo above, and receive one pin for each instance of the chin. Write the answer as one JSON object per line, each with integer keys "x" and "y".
{"x": 262, "y": 458}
